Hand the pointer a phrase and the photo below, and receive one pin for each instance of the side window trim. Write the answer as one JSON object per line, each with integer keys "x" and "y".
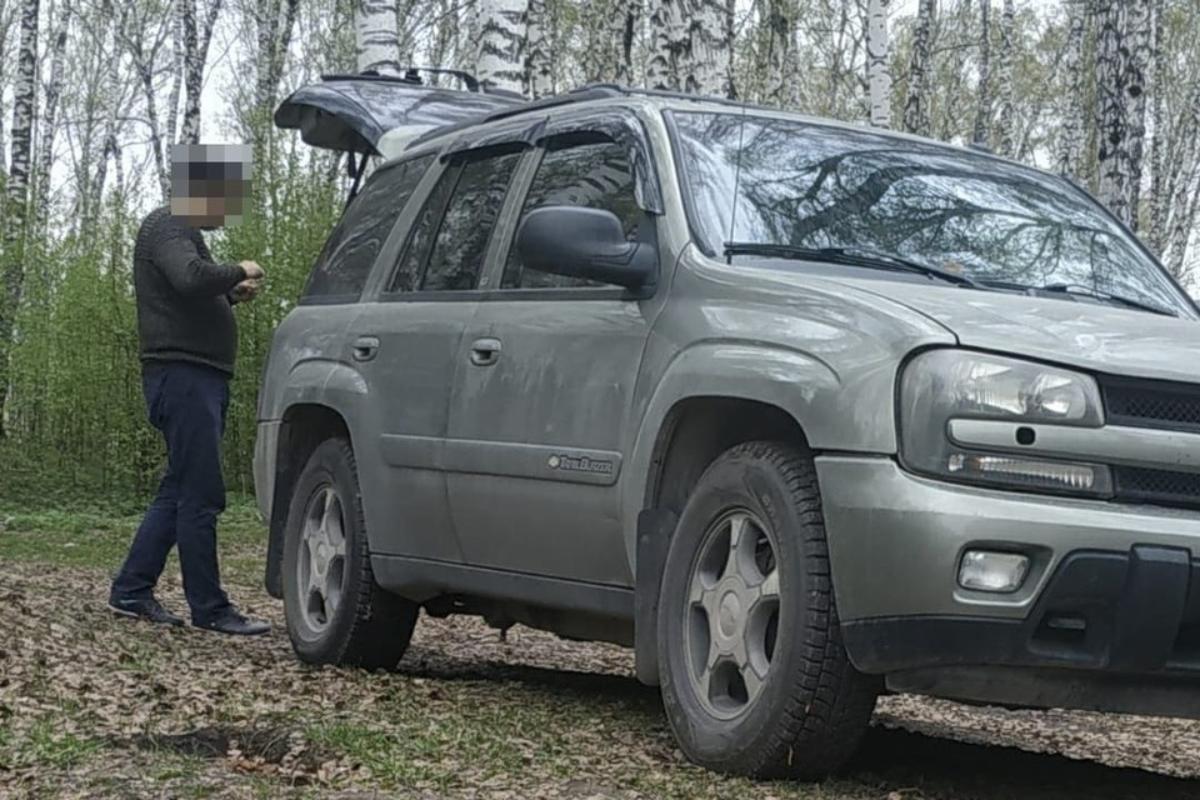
{"x": 510, "y": 216}
{"x": 423, "y": 265}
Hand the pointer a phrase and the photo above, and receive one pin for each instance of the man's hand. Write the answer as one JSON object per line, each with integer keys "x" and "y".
{"x": 253, "y": 271}
{"x": 245, "y": 291}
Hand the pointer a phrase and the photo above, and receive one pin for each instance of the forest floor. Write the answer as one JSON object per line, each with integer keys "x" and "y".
{"x": 96, "y": 706}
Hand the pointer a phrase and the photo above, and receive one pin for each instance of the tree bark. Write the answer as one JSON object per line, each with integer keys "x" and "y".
{"x": 377, "y": 39}
{"x": 17, "y": 190}
{"x": 983, "y": 112}
{"x": 668, "y": 44}
{"x": 196, "y": 44}
{"x": 705, "y": 68}
{"x": 1114, "y": 156}
{"x": 1070, "y": 148}
{"x": 879, "y": 79}
{"x": 499, "y": 62}
{"x": 58, "y": 46}
{"x": 1006, "y": 120}
{"x": 782, "y": 79}
{"x": 1137, "y": 72}
{"x": 916, "y": 106}
{"x": 539, "y": 57}
{"x": 1159, "y": 121}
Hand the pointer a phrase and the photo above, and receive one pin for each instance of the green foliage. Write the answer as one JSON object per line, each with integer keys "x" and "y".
{"x": 76, "y": 418}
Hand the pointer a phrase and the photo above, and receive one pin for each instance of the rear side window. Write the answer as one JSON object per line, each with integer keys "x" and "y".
{"x": 450, "y": 239}
{"x": 345, "y": 262}
{"x": 589, "y": 172}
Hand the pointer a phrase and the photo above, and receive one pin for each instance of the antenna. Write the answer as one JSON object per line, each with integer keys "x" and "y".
{"x": 737, "y": 178}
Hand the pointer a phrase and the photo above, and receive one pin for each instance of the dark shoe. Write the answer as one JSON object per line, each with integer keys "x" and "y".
{"x": 143, "y": 608}
{"x": 232, "y": 622}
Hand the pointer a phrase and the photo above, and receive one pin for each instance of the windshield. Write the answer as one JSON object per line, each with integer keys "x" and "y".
{"x": 809, "y": 186}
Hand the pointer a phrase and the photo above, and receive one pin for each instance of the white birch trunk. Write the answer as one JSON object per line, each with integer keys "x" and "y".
{"x": 195, "y": 44}
{"x": 668, "y": 42}
{"x": 782, "y": 78}
{"x": 1159, "y": 121}
{"x": 17, "y": 189}
{"x": 1136, "y": 85}
{"x": 49, "y": 128}
{"x": 499, "y": 62}
{"x": 376, "y": 36}
{"x": 1006, "y": 121}
{"x": 178, "y": 65}
{"x": 916, "y": 106}
{"x": 539, "y": 58}
{"x": 879, "y": 79}
{"x": 705, "y": 66}
{"x": 1113, "y": 158}
{"x": 983, "y": 111}
{"x": 1070, "y": 146}
{"x": 623, "y": 28}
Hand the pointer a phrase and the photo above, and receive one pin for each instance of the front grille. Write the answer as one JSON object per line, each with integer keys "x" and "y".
{"x": 1165, "y": 405}
{"x": 1158, "y": 486}
{"x": 1152, "y": 404}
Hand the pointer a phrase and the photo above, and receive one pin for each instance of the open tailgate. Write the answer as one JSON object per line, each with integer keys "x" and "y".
{"x": 353, "y": 112}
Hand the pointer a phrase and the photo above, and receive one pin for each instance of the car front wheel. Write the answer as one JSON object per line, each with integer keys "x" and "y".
{"x": 336, "y": 613}
{"x": 755, "y": 679}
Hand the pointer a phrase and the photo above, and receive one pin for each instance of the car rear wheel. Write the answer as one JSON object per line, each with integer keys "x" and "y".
{"x": 336, "y": 613}
{"x": 755, "y": 679}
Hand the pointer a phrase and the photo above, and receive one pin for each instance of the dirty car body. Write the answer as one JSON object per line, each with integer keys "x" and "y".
{"x": 996, "y": 386}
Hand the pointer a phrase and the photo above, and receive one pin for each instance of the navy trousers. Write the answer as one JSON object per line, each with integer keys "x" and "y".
{"x": 187, "y": 403}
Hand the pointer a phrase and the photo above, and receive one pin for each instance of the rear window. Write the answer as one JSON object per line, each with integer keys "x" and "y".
{"x": 345, "y": 262}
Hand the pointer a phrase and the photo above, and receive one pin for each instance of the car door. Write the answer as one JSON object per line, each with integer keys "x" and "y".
{"x": 533, "y": 451}
{"x": 408, "y": 342}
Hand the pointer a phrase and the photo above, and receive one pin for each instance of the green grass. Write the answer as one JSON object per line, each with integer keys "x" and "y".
{"x": 73, "y": 538}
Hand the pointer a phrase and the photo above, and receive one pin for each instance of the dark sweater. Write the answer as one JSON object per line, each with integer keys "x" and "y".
{"x": 183, "y": 303}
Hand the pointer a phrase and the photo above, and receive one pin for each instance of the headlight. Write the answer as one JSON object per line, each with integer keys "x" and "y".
{"x": 943, "y": 385}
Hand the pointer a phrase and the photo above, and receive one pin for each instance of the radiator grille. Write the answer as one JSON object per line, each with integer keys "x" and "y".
{"x": 1161, "y": 487}
{"x": 1152, "y": 404}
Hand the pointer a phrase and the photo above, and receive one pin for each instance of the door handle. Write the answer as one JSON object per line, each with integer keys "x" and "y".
{"x": 365, "y": 348}
{"x": 485, "y": 352}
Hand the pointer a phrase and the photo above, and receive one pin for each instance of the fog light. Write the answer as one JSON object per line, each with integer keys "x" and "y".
{"x": 985, "y": 571}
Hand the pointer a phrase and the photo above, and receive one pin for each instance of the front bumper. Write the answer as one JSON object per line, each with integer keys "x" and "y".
{"x": 1111, "y": 587}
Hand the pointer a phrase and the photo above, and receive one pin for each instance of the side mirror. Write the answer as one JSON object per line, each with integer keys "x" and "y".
{"x": 584, "y": 243}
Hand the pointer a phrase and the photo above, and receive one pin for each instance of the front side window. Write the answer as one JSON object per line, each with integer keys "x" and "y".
{"x": 782, "y": 183}
{"x": 345, "y": 262}
{"x": 576, "y": 171}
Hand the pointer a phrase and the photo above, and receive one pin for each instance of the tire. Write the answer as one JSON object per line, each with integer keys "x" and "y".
{"x": 804, "y": 709}
{"x": 358, "y": 623}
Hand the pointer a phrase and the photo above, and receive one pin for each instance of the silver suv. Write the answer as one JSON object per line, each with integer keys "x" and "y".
{"x": 801, "y": 411}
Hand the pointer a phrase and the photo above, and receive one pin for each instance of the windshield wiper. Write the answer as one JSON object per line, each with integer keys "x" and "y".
{"x": 850, "y": 256}
{"x": 1087, "y": 291}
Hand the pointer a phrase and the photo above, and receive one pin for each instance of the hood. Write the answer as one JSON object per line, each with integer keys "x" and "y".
{"x": 1098, "y": 337}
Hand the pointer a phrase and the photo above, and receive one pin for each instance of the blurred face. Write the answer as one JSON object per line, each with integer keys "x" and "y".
{"x": 209, "y": 183}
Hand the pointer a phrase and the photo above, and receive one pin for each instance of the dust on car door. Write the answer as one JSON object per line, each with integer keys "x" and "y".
{"x": 533, "y": 446}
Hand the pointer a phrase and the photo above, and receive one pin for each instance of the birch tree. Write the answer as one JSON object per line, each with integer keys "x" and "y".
{"x": 375, "y": 33}
{"x": 983, "y": 109}
{"x": 499, "y": 62}
{"x": 1114, "y": 156}
{"x": 1158, "y": 120}
{"x": 1070, "y": 148}
{"x": 879, "y": 78}
{"x": 53, "y": 89}
{"x": 668, "y": 44}
{"x": 916, "y": 105}
{"x": 539, "y": 58}
{"x": 782, "y": 68}
{"x": 197, "y": 37}
{"x": 17, "y": 190}
{"x": 708, "y": 48}
{"x": 1006, "y": 121}
{"x": 1135, "y": 84}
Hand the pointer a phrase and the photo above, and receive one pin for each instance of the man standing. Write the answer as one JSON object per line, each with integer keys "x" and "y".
{"x": 188, "y": 344}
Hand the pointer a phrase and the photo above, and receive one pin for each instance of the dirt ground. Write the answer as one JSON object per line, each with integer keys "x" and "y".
{"x": 96, "y": 706}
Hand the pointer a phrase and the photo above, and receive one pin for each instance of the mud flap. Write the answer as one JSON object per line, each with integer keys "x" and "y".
{"x": 655, "y": 526}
